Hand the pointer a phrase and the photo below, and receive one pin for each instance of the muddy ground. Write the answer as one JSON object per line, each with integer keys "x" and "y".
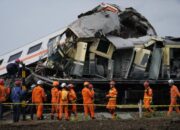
{"x": 107, "y": 124}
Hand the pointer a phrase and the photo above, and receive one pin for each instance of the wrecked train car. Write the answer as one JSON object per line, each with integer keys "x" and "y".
{"x": 101, "y": 44}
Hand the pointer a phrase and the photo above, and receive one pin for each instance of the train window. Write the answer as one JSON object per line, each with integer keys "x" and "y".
{"x": 145, "y": 59}
{"x": 51, "y": 45}
{"x": 34, "y": 48}
{"x": 103, "y": 46}
{"x": 52, "y": 41}
{"x": 1, "y": 61}
{"x": 15, "y": 56}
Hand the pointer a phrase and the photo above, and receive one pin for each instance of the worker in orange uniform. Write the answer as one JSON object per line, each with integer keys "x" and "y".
{"x": 2, "y": 97}
{"x": 72, "y": 101}
{"x": 91, "y": 88}
{"x": 64, "y": 102}
{"x": 88, "y": 101}
{"x": 174, "y": 94}
{"x": 112, "y": 96}
{"x": 148, "y": 94}
{"x": 59, "y": 103}
{"x": 54, "y": 98}
{"x": 38, "y": 97}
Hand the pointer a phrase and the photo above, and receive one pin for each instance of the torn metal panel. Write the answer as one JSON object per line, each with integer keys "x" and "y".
{"x": 122, "y": 43}
{"x": 88, "y": 26}
{"x": 155, "y": 63}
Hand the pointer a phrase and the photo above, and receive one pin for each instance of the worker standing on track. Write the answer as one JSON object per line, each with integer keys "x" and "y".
{"x": 72, "y": 101}
{"x": 54, "y": 98}
{"x": 91, "y": 88}
{"x": 174, "y": 94}
{"x": 88, "y": 101}
{"x": 64, "y": 102}
{"x": 59, "y": 103}
{"x": 148, "y": 95}
{"x": 2, "y": 97}
{"x": 38, "y": 97}
{"x": 112, "y": 96}
{"x": 16, "y": 95}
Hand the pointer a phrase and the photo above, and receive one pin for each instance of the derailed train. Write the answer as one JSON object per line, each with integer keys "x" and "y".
{"x": 107, "y": 43}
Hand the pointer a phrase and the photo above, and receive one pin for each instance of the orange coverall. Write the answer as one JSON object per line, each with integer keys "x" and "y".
{"x": 54, "y": 101}
{"x": 174, "y": 93}
{"x": 148, "y": 93}
{"x": 111, "y": 106}
{"x": 112, "y": 99}
{"x": 88, "y": 102}
{"x": 2, "y": 93}
{"x": 63, "y": 99}
{"x": 72, "y": 100}
{"x": 59, "y": 104}
{"x": 38, "y": 96}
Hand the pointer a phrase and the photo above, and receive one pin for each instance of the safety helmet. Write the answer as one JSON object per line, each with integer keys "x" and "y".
{"x": 17, "y": 60}
{"x": 40, "y": 82}
{"x": 112, "y": 82}
{"x": 17, "y": 82}
{"x": 55, "y": 83}
{"x": 146, "y": 83}
{"x": 86, "y": 83}
{"x": 90, "y": 86}
{"x": 70, "y": 85}
{"x": 63, "y": 85}
{"x": 171, "y": 81}
{"x": 1, "y": 81}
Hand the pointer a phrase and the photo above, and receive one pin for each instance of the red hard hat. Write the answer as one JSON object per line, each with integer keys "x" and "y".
{"x": 90, "y": 86}
{"x": 17, "y": 60}
{"x": 1, "y": 81}
{"x": 17, "y": 82}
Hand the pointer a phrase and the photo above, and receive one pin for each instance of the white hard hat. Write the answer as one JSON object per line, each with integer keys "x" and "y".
{"x": 63, "y": 85}
{"x": 170, "y": 81}
{"x": 39, "y": 82}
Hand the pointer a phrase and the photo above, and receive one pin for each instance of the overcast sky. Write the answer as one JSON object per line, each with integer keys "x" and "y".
{"x": 23, "y": 21}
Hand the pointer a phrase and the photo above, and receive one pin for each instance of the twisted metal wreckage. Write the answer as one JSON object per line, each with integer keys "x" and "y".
{"x": 110, "y": 43}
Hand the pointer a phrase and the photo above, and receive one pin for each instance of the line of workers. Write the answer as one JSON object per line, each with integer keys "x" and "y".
{"x": 64, "y": 100}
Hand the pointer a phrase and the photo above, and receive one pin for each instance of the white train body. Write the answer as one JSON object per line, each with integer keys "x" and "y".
{"x": 29, "y": 53}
